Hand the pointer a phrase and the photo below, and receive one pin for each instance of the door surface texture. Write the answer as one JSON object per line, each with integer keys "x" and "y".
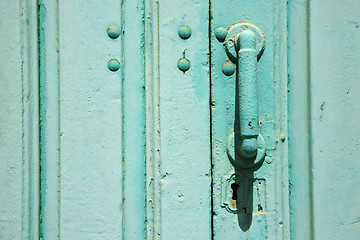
{"x": 176, "y": 120}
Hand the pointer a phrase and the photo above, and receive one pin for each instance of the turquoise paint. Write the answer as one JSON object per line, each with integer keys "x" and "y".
{"x": 265, "y": 205}
{"x": 49, "y": 107}
{"x": 91, "y": 120}
{"x": 324, "y": 106}
{"x": 248, "y": 92}
{"x": 113, "y": 32}
{"x": 220, "y": 34}
{"x": 113, "y": 65}
{"x": 127, "y": 154}
{"x": 102, "y": 113}
{"x": 184, "y": 32}
{"x": 11, "y": 124}
{"x": 228, "y": 68}
{"x": 152, "y": 121}
{"x": 19, "y": 152}
{"x": 183, "y": 64}
{"x": 30, "y": 122}
{"x": 299, "y": 122}
{"x": 184, "y": 115}
{"x": 133, "y": 95}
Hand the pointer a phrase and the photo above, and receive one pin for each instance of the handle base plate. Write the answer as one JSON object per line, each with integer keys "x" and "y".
{"x": 237, "y": 160}
{"x": 237, "y": 28}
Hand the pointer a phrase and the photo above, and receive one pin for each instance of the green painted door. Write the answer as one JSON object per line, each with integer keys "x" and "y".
{"x": 193, "y": 119}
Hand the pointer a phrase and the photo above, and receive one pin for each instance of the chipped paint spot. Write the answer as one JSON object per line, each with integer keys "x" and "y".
{"x": 322, "y": 106}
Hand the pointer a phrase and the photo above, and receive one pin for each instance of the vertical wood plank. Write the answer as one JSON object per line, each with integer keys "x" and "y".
{"x": 19, "y": 130}
{"x": 49, "y": 86}
{"x": 265, "y": 194}
{"x": 30, "y": 101}
{"x": 103, "y": 115}
{"x": 11, "y": 147}
{"x": 323, "y": 110}
{"x": 184, "y": 122}
{"x": 335, "y": 112}
{"x": 133, "y": 97}
{"x": 300, "y": 141}
{"x": 91, "y": 121}
{"x": 152, "y": 113}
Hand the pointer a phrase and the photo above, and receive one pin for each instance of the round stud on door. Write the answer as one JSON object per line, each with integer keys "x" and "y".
{"x": 184, "y": 64}
{"x": 220, "y": 34}
{"x": 184, "y": 32}
{"x": 113, "y": 65}
{"x": 113, "y": 32}
{"x": 228, "y": 68}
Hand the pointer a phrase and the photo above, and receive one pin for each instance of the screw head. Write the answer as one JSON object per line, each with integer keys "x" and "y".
{"x": 184, "y": 64}
{"x": 220, "y": 34}
{"x": 113, "y": 32}
{"x": 184, "y": 32}
{"x": 228, "y": 68}
{"x": 113, "y": 65}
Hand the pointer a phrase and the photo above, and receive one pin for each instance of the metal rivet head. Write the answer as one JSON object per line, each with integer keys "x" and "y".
{"x": 113, "y": 32}
{"x": 113, "y": 65}
{"x": 184, "y": 32}
{"x": 184, "y": 64}
{"x": 228, "y": 68}
{"x": 220, "y": 34}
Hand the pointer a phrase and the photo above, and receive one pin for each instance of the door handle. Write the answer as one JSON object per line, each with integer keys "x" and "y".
{"x": 244, "y": 45}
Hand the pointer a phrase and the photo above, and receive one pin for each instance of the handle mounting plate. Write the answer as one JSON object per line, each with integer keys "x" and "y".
{"x": 237, "y": 160}
{"x": 234, "y": 30}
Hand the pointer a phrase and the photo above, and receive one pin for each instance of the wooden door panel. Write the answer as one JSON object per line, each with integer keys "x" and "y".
{"x": 91, "y": 125}
{"x": 261, "y": 207}
{"x": 140, "y": 152}
{"x": 19, "y": 121}
{"x": 323, "y": 111}
{"x": 184, "y": 122}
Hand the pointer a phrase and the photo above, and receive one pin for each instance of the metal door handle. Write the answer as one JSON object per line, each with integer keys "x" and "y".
{"x": 245, "y": 44}
{"x": 248, "y": 92}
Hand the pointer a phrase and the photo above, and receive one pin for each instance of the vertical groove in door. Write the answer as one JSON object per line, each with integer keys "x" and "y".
{"x": 281, "y": 103}
{"x": 123, "y": 171}
{"x": 152, "y": 113}
{"x": 133, "y": 122}
{"x": 309, "y": 122}
{"x": 210, "y": 129}
{"x": 49, "y": 120}
{"x": 30, "y": 119}
{"x": 300, "y": 152}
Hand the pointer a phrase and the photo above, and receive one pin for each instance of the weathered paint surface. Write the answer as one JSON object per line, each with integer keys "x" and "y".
{"x": 139, "y": 153}
{"x": 19, "y": 121}
{"x": 324, "y": 109}
{"x": 184, "y": 122}
{"x": 102, "y": 121}
{"x": 11, "y": 123}
{"x": 49, "y": 88}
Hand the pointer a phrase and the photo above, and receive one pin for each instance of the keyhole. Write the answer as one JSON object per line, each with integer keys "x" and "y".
{"x": 234, "y": 187}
